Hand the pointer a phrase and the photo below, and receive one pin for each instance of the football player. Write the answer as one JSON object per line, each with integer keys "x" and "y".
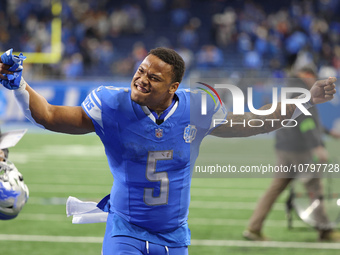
{"x": 151, "y": 134}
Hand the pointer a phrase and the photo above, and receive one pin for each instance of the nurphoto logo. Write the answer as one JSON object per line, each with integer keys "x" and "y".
{"x": 239, "y": 103}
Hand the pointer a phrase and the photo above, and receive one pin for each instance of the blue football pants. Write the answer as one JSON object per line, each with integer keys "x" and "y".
{"x": 124, "y": 245}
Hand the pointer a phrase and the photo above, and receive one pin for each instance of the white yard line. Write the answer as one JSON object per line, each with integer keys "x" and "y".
{"x": 194, "y": 242}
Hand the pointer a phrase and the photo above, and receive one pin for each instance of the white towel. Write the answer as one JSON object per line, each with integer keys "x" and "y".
{"x": 84, "y": 212}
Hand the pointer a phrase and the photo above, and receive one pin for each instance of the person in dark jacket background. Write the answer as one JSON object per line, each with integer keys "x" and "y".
{"x": 295, "y": 146}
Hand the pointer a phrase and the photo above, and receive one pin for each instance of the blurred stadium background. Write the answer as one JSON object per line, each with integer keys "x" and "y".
{"x": 74, "y": 46}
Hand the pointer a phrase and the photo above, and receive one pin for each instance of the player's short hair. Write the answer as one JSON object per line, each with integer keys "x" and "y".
{"x": 172, "y": 58}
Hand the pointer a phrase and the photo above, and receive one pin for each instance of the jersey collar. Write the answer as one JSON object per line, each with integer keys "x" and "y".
{"x": 165, "y": 114}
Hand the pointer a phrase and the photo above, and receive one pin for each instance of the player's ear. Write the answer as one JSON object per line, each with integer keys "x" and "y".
{"x": 173, "y": 87}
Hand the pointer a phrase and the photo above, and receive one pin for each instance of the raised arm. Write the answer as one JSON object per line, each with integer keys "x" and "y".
{"x": 64, "y": 119}
{"x": 238, "y": 125}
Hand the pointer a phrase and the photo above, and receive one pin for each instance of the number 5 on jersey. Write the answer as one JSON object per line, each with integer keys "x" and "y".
{"x": 154, "y": 176}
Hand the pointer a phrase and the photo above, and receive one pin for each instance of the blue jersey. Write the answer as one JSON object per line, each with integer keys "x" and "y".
{"x": 151, "y": 164}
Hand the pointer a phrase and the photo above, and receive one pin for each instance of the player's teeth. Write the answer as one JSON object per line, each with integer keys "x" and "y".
{"x": 141, "y": 89}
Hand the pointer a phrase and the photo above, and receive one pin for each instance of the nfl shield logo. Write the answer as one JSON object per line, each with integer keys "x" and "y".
{"x": 159, "y": 132}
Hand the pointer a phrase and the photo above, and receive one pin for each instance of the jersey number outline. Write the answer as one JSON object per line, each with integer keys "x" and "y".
{"x": 153, "y": 176}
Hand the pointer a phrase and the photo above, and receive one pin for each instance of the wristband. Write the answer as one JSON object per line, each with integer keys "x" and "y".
{"x": 23, "y": 98}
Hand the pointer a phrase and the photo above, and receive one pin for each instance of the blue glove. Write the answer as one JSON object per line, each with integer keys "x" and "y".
{"x": 15, "y": 63}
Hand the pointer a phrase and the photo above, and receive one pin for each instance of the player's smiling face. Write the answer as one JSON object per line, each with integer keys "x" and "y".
{"x": 152, "y": 84}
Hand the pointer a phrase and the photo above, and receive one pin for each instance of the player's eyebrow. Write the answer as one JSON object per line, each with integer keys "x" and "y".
{"x": 157, "y": 75}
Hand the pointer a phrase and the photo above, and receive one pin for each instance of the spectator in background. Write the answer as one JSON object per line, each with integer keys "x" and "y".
{"x": 280, "y": 30}
{"x": 244, "y": 43}
{"x": 136, "y": 19}
{"x": 336, "y": 58}
{"x": 4, "y": 35}
{"x": 253, "y": 60}
{"x": 156, "y": 5}
{"x": 276, "y": 69}
{"x": 71, "y": 46}
{"x": 224, "y": 26}
{"x": 304, "y": 57}
{"x": 261, "y": 44}
{"x": 294, "y": 43}
{"x": 106, "y": 57}
{"x": 294, "y": 146}
{"x": 188, "y": 36}
{"x": 119, "y": 22}
{"x": 73, "y": 67}
{"x": 187, "y": 55}
{"x": 180, "y": 13}
{"x": 129, "y": 65}
{"x": 328, "y": 7}
{"x": 327, "y": 71}
{"x": 139, "y": 52}
{"x": 209, "y": 56}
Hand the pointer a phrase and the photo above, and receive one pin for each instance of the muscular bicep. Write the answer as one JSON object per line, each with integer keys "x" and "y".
{"x": 68, "y": 119}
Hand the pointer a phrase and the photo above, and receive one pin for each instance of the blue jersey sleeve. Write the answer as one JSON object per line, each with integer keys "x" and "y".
{"x": 92, "y": 105}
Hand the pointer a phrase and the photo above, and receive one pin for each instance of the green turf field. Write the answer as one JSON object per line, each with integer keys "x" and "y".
{"x": 57, "y": 166}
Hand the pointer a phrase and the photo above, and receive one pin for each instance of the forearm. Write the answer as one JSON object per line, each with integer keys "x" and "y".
{"x": 39, "y": 107}
{"x": 64, "y": 119}
{"x": 23, "y": 95}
